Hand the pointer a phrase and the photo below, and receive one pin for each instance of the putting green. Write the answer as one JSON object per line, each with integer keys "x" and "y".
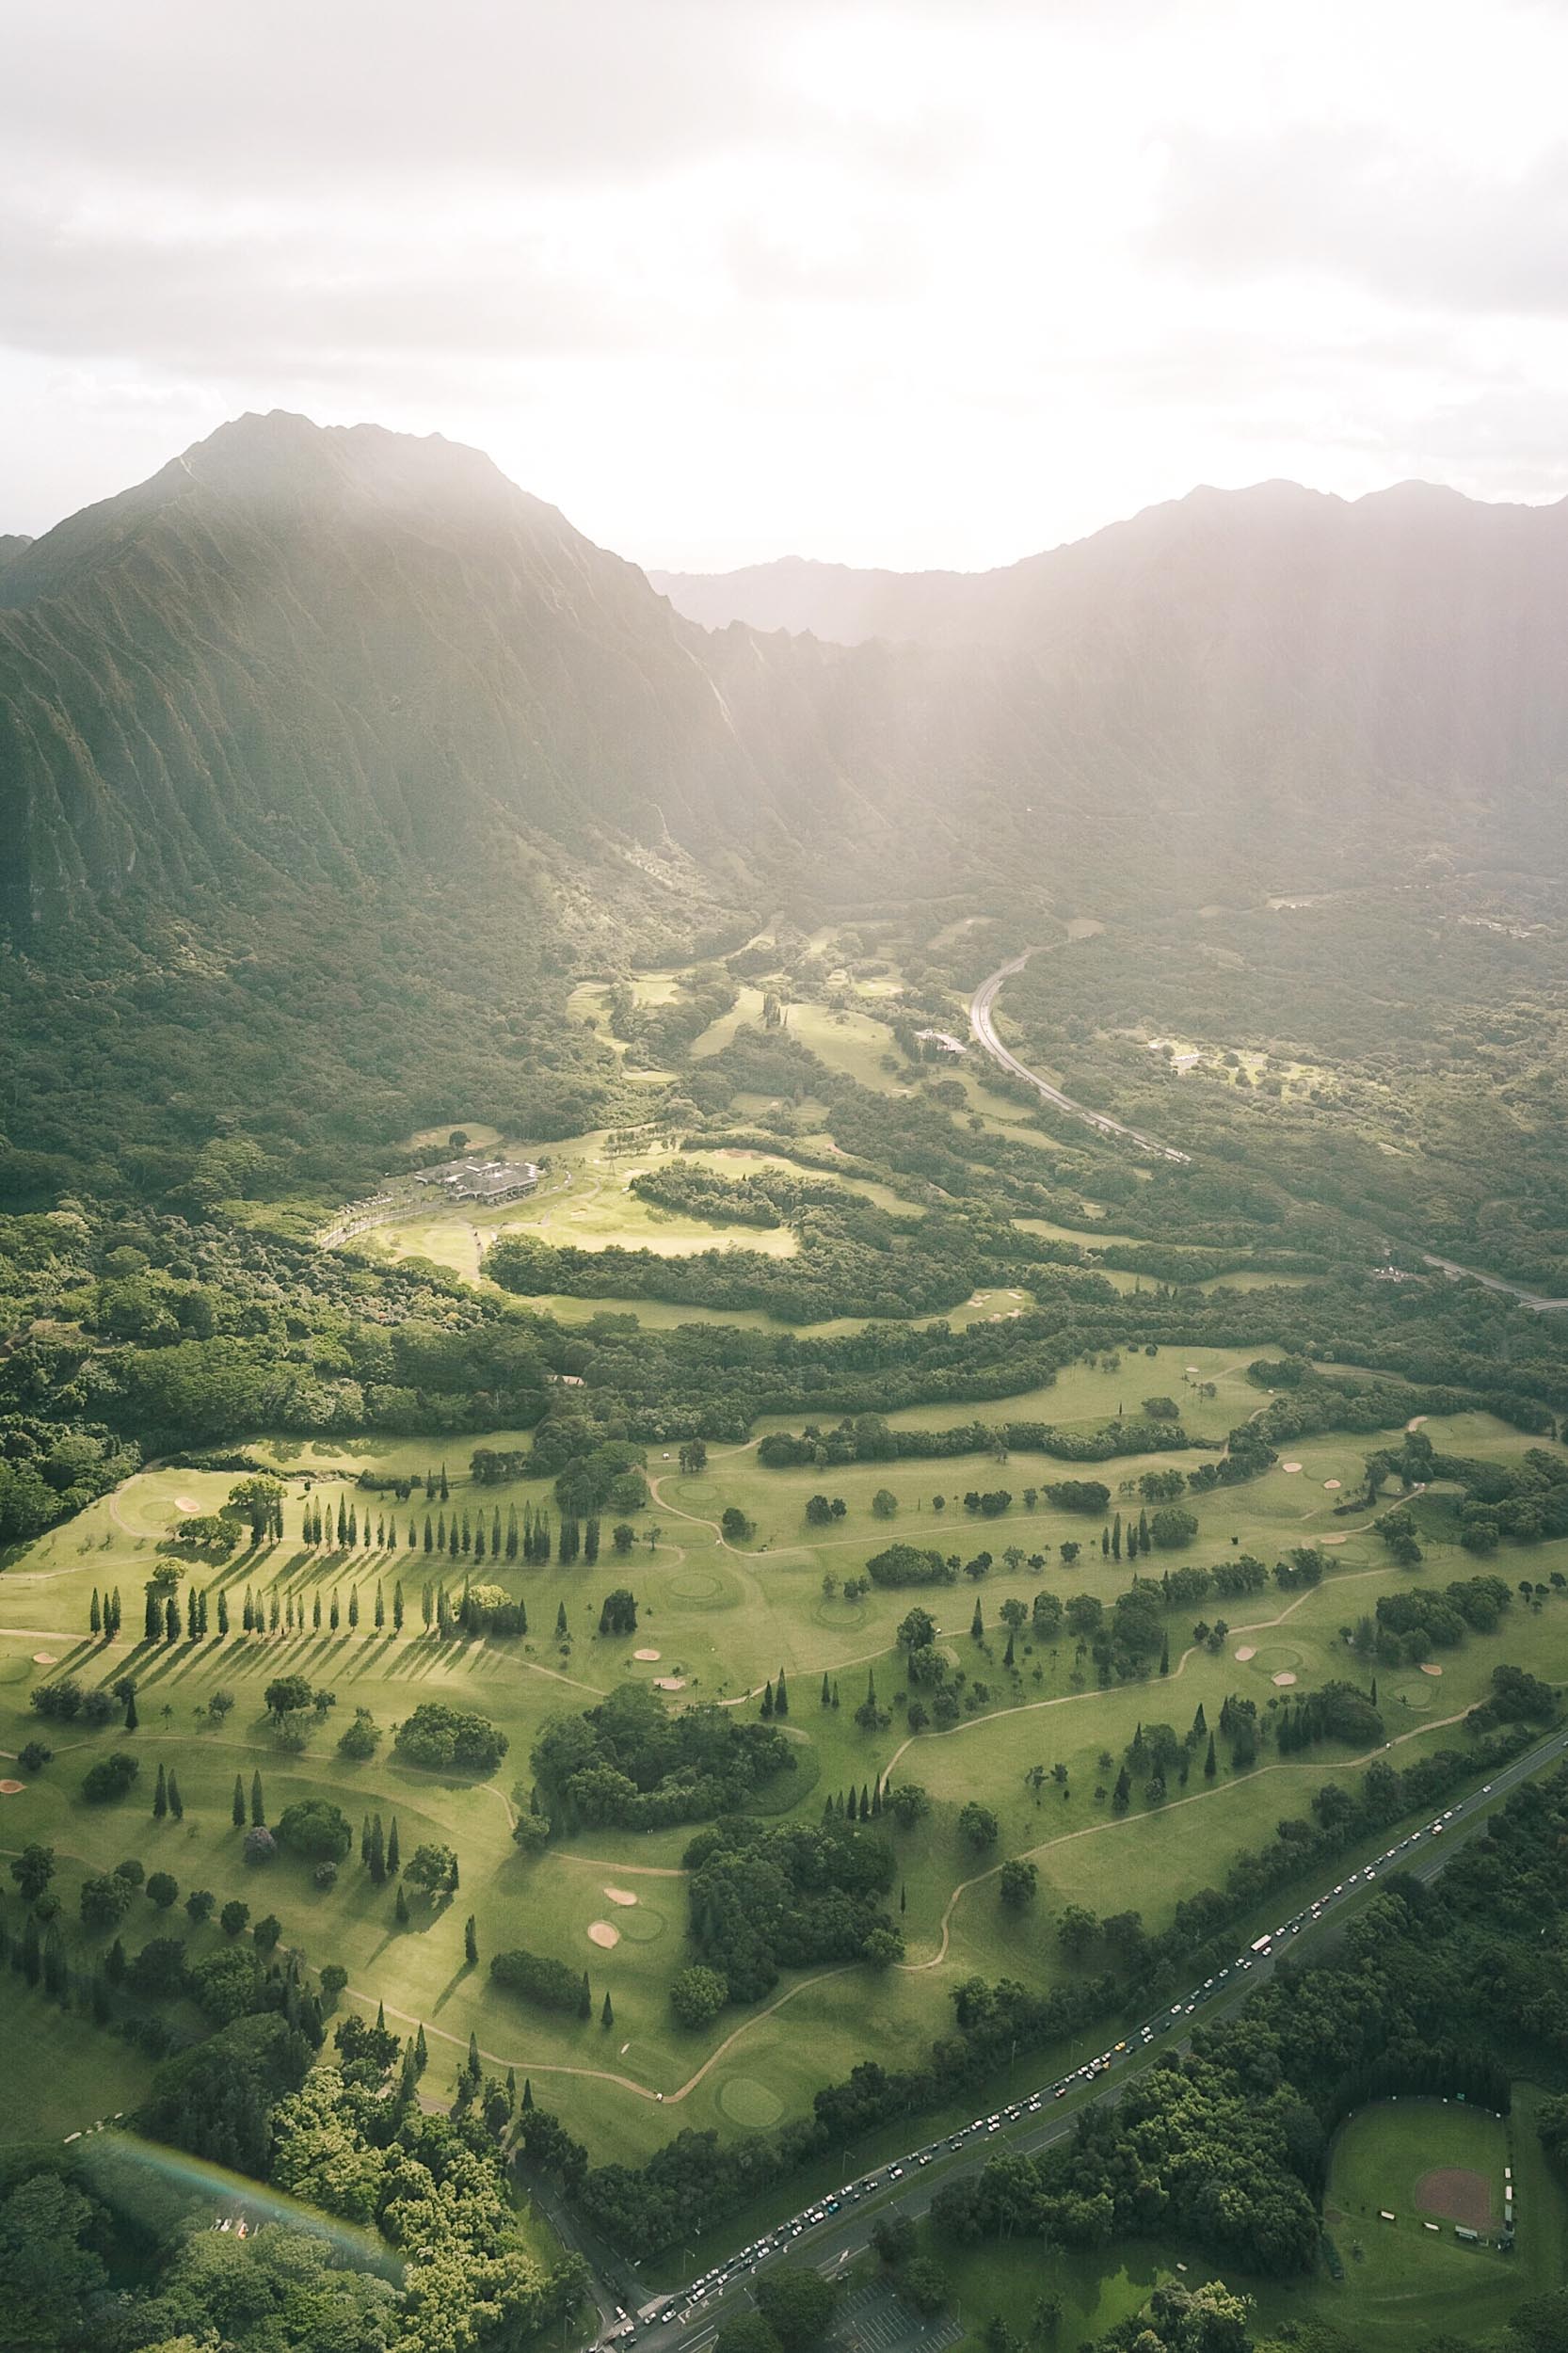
{"x": 1272, "y": 1659}
{"x": 641, "y": 1923}
{"x": 709, "y": 1588}
{"x": 748, "y": 2102}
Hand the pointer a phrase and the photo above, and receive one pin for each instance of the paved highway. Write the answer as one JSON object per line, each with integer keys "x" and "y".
{"x": 983, "y": 1029}
{"x": 832, "y": 2231}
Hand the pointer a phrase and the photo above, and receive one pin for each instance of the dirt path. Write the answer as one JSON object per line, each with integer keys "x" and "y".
{"x": 605, "y": 2074}
{"x": 1095, "y": 1830}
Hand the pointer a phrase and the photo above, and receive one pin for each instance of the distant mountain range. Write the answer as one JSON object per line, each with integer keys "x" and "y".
{"x": 301, "y": 657}
{"x": 1308, "y": 543}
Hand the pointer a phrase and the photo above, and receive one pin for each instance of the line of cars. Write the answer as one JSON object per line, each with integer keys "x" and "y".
{"x": 681, "y": 2306}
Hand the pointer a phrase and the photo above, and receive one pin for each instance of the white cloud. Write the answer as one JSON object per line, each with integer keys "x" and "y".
{"x": 895, "y": 280}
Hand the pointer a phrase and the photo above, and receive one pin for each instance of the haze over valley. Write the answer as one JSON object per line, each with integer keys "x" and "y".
{"x": 783, "y": 1337}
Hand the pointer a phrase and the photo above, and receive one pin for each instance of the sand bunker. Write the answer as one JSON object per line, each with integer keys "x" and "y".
{"x": 1332, "y": 1540}
{"x": 669, "y": 1683}
{"x": 187, "y": 1503}
{"x": 1416, "y": 1421}
{"x": 1432, "y": 1671}
{"x": 11, "y": 1788}
{"x": 600, "y": 1932}
{"x": 1284, "y": 1677}
{"x": 644, "y": 1654}
{"x": 1246, "y": 1653}
{"x": 1193, "y": 1371}
{"x": 44, "y": 1658}
{"x": 1290, "y": 1467}
{"x": 1333, "y": 1485}
{"x": 618, "y": 1895}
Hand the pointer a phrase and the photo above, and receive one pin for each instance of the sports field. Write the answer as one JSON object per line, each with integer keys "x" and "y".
{"x": 1407, "y": 2285}
{"x": 1435, "y": 2163}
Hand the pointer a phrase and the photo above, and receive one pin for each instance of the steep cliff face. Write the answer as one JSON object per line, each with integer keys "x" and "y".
{"x": 335, "y": 654}
{"x": 311, "y": 659}
{"x": 1268, "y": 665}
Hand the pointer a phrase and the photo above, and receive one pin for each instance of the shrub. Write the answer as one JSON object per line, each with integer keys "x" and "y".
{"x": 432, "y": 1869}
{"x": 317, "y": 1829}
{"x": 550, "y": 1984}
{"x": 1018, "y": 1884}
{"x": 158, "y": 1971}
{"x": 1078, "y": 1495}
{"x": 908, "y": 1564}
{"x": 105, "y": 1901}
{"x": 286, "y": 1696}
{"x": 977, "y": 1825}
{"x": 797, "y": 2305}
{"x": 360, "y": 1739}
{"x": 109, "y": 1778}
{"x": 260, "y": 1844}
{"x": 442, "y": 1737}
{"x": 698, "y": 1995}
{"x": 227, "y": 1983}
{"x": 60, "y": 1701}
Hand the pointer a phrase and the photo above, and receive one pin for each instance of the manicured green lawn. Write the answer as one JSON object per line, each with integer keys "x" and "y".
{"x": 1407, "y": 2282}
{"x": 721, "y": 1619}
{"x": 62, "y": 2074}
{"x": 586, "y": 1201}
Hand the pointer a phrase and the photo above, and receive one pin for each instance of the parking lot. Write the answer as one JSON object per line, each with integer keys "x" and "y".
{"x": 874, "y": 2320}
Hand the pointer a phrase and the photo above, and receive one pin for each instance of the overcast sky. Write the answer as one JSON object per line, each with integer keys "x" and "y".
{"x": 939, "y": 282}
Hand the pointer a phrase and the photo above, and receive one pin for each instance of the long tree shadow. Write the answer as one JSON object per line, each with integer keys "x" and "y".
{"x": 451, "y": 1987}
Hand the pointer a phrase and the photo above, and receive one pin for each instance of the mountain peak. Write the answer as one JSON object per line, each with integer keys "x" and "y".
{"x": 278, "y": 451}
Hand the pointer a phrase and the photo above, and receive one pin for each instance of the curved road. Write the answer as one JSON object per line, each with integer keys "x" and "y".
{"x": 983, "y": 1029}
{"x": 834, "y": 2229}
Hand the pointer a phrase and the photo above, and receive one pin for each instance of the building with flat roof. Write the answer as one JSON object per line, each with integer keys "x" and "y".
{"x": 484, "y": 1181}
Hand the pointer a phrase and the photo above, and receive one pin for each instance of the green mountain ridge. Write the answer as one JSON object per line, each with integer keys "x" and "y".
{"x": 336, "y": 653}
{"x": 330, "y": 757}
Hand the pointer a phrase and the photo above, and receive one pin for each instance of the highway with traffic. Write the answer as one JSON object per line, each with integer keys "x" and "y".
{"x": 833, "y": 2230}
